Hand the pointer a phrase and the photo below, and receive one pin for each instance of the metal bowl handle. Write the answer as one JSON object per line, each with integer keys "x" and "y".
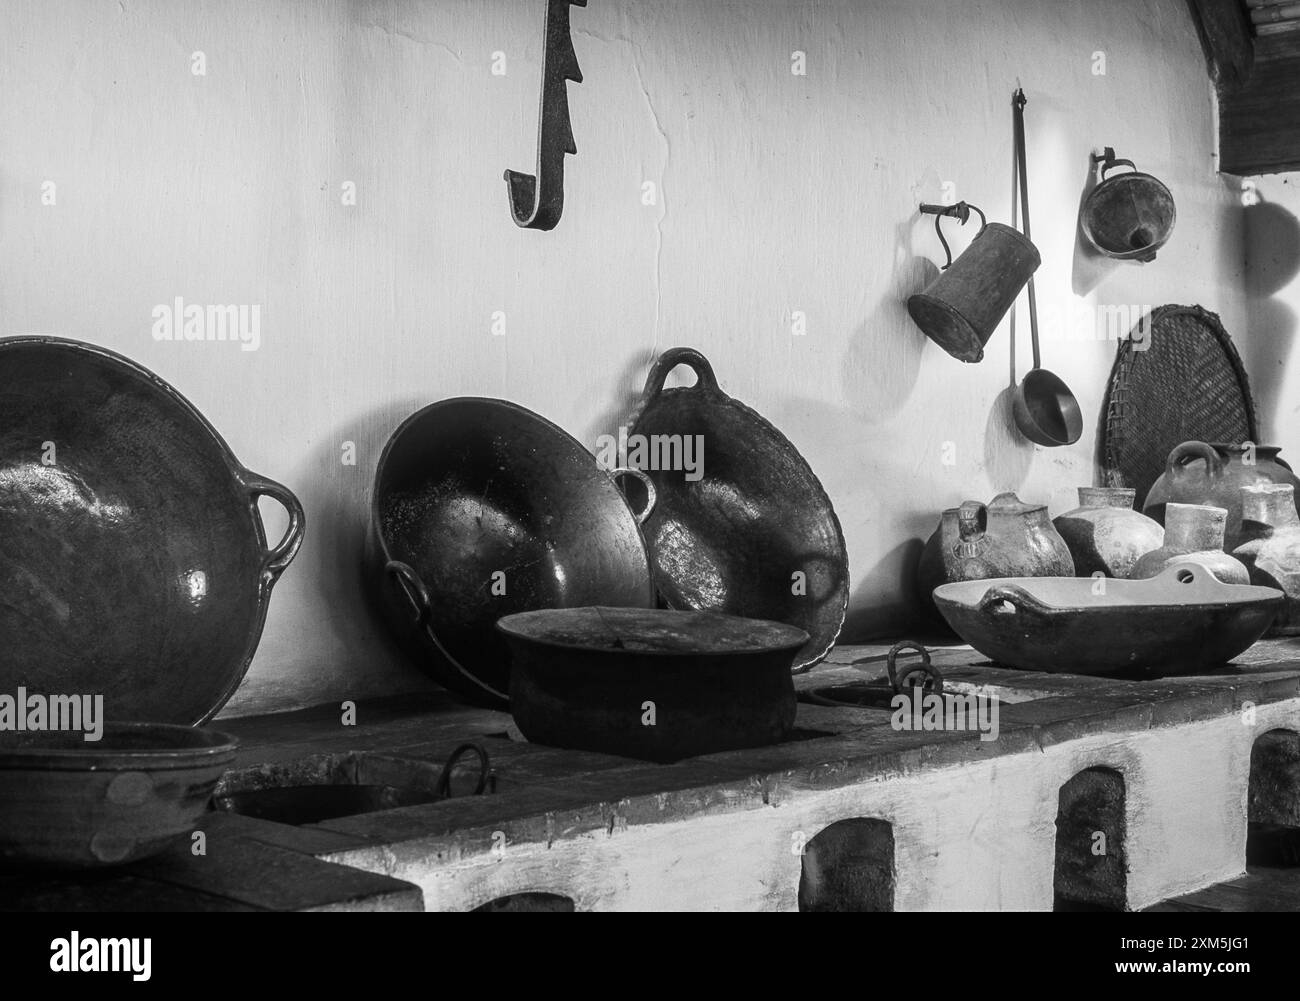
{"x": 278, "y": 558}
{"x": 650, "y": 495}
{"x": 669, "y": 360}
{"x": 416, "y": 593}
{"x": 1015, "y": 596}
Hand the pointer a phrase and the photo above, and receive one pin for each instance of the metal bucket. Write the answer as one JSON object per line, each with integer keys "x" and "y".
{"x": 962, "y": 307}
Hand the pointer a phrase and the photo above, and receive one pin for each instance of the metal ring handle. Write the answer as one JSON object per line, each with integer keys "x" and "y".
{"x": 668, "y": 361}
{"x": 442, "y": 789}
{"x": 278, "y": 557}
{"x": 416, "y": 593}
{"x": 1015, "y": 596}
{"x": 651, "y": 496}
{"x": 933, "y": 679}
{"x": 1176, "y": 464}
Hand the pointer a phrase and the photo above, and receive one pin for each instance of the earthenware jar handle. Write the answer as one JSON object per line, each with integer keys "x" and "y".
{"x": 930, "y": 677}
{"x": 1020, "y": 600}
{"x": 279, "y": 557}
{"x": 650, "y": 495}
{"x": 1188, "y": 450}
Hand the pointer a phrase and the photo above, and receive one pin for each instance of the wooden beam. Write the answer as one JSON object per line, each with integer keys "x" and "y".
{"x": 1227, "y": 39}
{"x": 1259, "y": 124}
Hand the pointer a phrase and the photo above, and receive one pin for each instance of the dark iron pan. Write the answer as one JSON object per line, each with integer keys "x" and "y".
{"x": 582, "y": 678}
{"x": 482, "y": 508}
{"x": 734, "y": 539}
{"x": 1046, "y": 412}
{"x": 133, "y": 562}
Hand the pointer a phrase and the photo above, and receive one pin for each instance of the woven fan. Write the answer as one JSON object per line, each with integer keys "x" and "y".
{"x": 1181, "y": 380}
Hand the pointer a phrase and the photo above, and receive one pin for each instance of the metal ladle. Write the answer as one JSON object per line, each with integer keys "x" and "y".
{"x": 1045, "y": 410}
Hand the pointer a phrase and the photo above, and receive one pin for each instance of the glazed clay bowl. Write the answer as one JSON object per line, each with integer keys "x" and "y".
{"x": 133, "y": 560}
{"x": 654, "y": 684}
{"x": 73, "y": 803}
{"x": 1182, "y": 621}
{"x": 480, "y": 509}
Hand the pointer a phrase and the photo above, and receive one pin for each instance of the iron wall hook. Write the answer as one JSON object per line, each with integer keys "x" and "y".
{"x": 536, "y": 200}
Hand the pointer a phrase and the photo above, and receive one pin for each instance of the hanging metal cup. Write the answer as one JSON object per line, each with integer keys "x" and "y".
{"x": 1129, "y": 216}
{"x": 962, "y": 307}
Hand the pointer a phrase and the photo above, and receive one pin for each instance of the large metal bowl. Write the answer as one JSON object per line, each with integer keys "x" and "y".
{"x": 480, "y": 509}
{"x": 1181, "y": 622}
{"x": 651, "y": 683}
{"x": 750, "y": 532}
{"x": 133, "y": 562}
{"x": 140, "y": 788}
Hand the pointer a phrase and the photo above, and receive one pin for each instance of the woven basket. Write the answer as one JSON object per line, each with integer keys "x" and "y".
{"x": 1187, "y": 385}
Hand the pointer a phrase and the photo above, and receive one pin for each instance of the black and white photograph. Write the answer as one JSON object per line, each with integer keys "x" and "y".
{"x": 650, "y": 456}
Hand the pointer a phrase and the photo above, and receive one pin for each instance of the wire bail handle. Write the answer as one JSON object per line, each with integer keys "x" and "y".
{"x": 961, "y": 211}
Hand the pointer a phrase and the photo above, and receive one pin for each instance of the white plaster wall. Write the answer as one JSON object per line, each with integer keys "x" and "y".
{"x": 776, "y": 193}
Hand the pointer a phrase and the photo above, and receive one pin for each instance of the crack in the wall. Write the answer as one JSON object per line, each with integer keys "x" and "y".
{"x": 638, "y": 56}
{"x": 412, "y": 37}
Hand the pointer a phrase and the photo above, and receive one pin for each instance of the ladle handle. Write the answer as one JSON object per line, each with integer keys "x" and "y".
{"x": 1022, "y": 175}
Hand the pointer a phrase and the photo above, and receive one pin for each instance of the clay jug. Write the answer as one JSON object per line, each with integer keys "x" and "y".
{"x": 1004, "y": 538}
{"x": 1200, "y": 473}
{"x": 1271, "y": 552}
{"x": 1105, "y": 535}
{"x": 1193, "y": 533}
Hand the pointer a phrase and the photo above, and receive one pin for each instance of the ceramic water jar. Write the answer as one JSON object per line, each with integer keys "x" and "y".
{"x": 1200, "y": 473}
{"x": 1271, "y": 552}
{"x": 1004, "y": 538}
{"x": 1105, "y": 534}
{"x": 1193, "y": 533}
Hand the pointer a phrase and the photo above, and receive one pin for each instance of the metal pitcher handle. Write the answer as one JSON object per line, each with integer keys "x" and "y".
{"x": 960, "y": 211}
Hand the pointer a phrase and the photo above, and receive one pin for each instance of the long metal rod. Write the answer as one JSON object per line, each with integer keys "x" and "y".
{"x": 1019, "y": 101}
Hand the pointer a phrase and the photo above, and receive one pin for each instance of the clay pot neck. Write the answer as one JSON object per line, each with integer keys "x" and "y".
{"x": 1194, "y": 528}
{"x": 1120, "y": 497}
{"x": 1270, "y": 504}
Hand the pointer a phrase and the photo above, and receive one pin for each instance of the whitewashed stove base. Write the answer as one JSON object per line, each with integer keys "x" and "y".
{"x": 979, "y": 836}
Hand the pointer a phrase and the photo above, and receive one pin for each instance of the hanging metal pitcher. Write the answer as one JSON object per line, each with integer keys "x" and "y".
{"x": 962, "y": 307}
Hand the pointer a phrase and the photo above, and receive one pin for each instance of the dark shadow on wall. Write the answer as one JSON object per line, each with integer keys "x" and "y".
{"x": 1091, "y": 266}
{"x": 884, "y": 355}
{"x": 1272, "y": 244}
{"x": 895, "y": 572}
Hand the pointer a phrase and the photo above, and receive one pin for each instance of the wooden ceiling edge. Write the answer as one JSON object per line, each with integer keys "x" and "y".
{"x": 1227, "y": 40}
